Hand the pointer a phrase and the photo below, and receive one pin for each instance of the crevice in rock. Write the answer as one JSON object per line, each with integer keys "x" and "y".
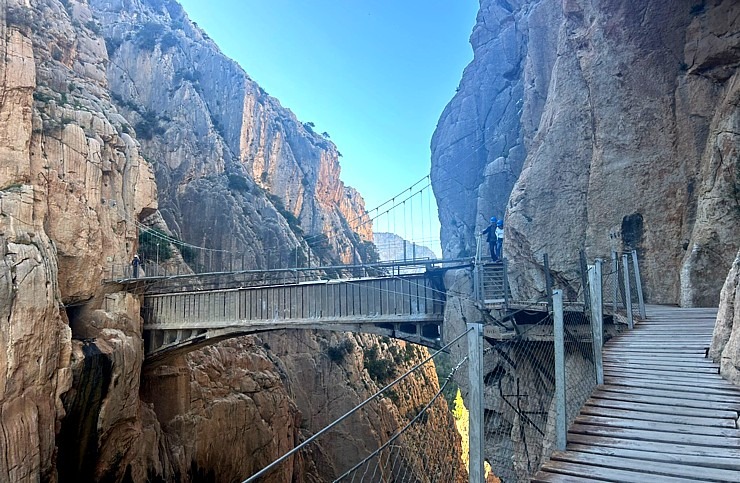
{"x": 78, "y": 439}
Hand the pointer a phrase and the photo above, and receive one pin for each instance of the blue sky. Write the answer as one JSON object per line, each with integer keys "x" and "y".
{"x": 374, "y": 74}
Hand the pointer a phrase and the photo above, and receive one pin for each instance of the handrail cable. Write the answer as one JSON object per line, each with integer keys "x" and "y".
{"x": 409, "y": 424}
{"x": 403, "y": 376}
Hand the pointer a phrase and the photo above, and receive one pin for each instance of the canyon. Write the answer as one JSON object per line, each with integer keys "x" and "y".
{"x": 589, "y": 125}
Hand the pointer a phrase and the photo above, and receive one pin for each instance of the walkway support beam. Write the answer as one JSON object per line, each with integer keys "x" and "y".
{"x": 475, "y": 373}
{"x": 559, "y": 340}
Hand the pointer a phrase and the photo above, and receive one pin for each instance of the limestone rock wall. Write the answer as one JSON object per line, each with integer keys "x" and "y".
{"x": 235, "y": 170}
{"x": 100, "y": 99}
{"x": 598, "y": 125}
{"x": 71, "y": 185}
{"x": 595, "y": 125}
{"x": 725, "y": 348}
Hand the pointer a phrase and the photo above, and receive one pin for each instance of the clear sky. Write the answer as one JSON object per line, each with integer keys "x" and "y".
{"x": 374, "y": 74}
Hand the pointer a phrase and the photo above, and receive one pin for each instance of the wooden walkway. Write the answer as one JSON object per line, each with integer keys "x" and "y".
{"x": 664, "y": 414}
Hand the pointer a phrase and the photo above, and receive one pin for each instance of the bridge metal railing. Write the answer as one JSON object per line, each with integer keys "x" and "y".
{"x": 543, "y": 357}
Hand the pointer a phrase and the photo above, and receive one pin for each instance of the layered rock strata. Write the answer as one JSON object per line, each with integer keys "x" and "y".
{"x": 601, "y": 126}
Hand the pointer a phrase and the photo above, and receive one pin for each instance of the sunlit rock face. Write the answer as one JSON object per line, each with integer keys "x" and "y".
{"x": 72, "y": 184}
{"x": 235, "y": 169}
{"x": 601, "y": 126}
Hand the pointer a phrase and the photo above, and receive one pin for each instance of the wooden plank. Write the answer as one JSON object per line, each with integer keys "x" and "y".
{"x": 657, "y": 408}
{"x": 619, "y": 348}
{"x": 696, "y": 473}
{"x": 546, "y": 477}
{"x": 665, "y": 401}
{"x": 608, "y": 474}
{"x": 691, "y": 378}
{"x": 655, "y": 446}
{"x": 700, "y": 396}
{"x": 666, "y": 356}
{"x": 668, "y": 427}
{"x": 697, "y": 440}
{"x": 663, "y": 367}
{"x": 658, "y": 417}
{"x": 702, "y": 461}
{"x": 661, "y": 361}
{"x": 658, "y": 383}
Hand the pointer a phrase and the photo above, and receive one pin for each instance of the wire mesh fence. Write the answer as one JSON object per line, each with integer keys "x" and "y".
{"x": 520, "y": 376}
{"x": 413, "y": 453}
{"x": 422, "y": 446}
{"x": 622, "y": 287}
{"x": 521, "y": 407}
{"x": 520, "y": 383}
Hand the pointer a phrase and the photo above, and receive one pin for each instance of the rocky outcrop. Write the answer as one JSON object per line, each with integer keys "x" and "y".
{"x": 621, "y": 117}
{"x": 236, "y": 171}
{"x": 725, "y": 348}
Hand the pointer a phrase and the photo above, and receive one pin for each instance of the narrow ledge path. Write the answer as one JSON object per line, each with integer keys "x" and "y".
{"x": 663, "y": 414}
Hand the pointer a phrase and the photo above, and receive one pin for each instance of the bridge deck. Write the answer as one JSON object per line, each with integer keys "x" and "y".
{"x": 663, "y": 414}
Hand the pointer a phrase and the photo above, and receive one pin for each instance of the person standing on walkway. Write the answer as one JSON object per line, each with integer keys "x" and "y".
{"x": 135, "y": 264}
{"x": 500, "y": 239}
{"x": 490, "y": 233}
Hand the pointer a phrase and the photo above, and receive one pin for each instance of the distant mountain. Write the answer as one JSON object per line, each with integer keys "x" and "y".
{"x": 393, "y": 247}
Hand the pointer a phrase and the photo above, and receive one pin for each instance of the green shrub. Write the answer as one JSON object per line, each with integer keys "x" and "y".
{"x": 148, "y": 126}
{"x": 380, "y": 370}
{"x": 189, "y": 254}
{"x": 337, "y": 352}
{"x": 153, "y": 245}
{"x": 169, "y": 40}
{"x": 148, "y": 35}
{"x": 238, "y": 182}
{"x": 93, "y": 26}
{"x": 111, "y": 45}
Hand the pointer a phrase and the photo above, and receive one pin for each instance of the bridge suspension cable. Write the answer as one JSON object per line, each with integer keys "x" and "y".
{"x": 269, "y": 468}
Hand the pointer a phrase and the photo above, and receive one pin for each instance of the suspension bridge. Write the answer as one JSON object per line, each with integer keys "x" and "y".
{"x": 556, "y": 401}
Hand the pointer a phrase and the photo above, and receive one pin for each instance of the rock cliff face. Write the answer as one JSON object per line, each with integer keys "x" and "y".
{"x": 595, "y": 125}
{"x": 600, "y": 125}
{"x": 725, "y": 348}
{"x": 99, "y": 98}
{"x": 71, "y": 185}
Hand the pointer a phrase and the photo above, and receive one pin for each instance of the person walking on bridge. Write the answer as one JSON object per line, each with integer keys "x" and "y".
{"x": 490, "y": 233}
{"x": 135, "y": 264}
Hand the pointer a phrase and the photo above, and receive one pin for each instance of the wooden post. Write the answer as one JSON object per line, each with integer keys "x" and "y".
{"x": 615, "y": 287}
{"x": 559, "y": 342}
{"x": 638, "y": 283}
{"x": 627, "y": 292}
{"x": 475, "y": 373}
{"x": 597, "y": 320}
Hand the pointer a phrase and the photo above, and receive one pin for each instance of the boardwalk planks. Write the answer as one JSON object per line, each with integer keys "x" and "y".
{"x": 663, "y": 414}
